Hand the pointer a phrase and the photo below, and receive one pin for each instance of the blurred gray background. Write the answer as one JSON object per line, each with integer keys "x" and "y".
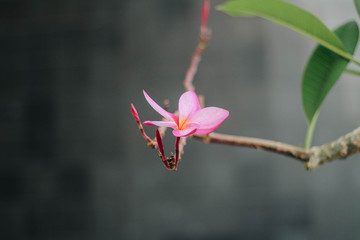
{"x": 74, "y": 166}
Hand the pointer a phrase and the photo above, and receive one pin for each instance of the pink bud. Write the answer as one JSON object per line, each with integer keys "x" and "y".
{"x": 134, "y": 113}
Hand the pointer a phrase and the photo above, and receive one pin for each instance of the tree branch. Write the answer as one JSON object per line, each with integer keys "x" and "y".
{"x": 262, "y": 144}
{"x": 337, "y": 150}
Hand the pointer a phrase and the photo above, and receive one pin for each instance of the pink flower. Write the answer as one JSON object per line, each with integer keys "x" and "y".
{"x": 192, "y": 119}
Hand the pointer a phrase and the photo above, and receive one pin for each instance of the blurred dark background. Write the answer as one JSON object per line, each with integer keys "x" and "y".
{"x": 73, "y": 165}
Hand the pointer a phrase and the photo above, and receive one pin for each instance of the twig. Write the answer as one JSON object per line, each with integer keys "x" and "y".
{"x": 205, "y": 34}
{"x": 192, "y": 69}
{"x": 337, "y": 150}
{"x": 281, "y": 148}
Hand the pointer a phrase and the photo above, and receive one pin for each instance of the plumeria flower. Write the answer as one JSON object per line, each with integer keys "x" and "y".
{"x": 192, "y": 118}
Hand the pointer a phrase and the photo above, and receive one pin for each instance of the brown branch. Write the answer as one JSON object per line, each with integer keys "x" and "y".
{"x": 267, "y": 145}
{"x": 337, "y": 150}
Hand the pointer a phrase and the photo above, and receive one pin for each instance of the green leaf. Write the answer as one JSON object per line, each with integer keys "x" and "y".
{"x": 289, "y": 15}
{"x": 357, "y": 6}
{"x": 324, "y": 69}
{"x": 322, "y": 72}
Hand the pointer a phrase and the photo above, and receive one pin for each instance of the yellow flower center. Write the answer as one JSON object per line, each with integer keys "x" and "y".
{"x": 182, "y": 124}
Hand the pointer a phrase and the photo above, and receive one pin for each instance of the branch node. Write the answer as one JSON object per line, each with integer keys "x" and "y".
{"x": 314, "y": 160}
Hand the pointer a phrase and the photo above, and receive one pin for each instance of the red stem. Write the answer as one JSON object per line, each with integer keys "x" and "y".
{"x": 204, "y": 14}
{"x": 177, "y": 152}
{"x": 160, "y": 145}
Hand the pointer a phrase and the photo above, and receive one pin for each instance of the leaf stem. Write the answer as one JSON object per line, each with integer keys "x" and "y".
{"x": 341, "y": 53}
{"x": 355, "y": 61}
{"x": 310, "y": 130}
{"x": 353, "y": 72}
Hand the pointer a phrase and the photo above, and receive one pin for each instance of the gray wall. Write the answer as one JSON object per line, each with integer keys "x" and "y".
{"x": 73, "y": 165}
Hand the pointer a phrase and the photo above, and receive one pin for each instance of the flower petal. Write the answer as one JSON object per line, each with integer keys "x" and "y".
{"x": 209, "y": 119}
{"x": 188, "y": 104}
{"x": 184, "y": 133}
{"x": 161, "y": 123}
{"x": 160, "y": 110}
